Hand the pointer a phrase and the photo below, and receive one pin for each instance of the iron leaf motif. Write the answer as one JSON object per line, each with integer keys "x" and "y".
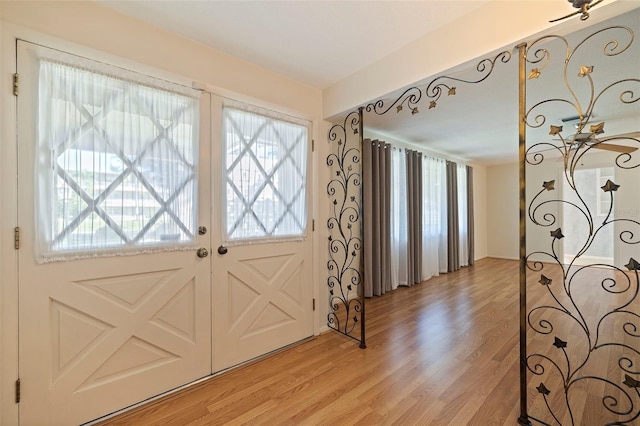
{"x": 550, "y": 185}
{"x": 631, "y": 382}
{"x": 597, "y": 128}
{"x": 633, "y": 265}
{"x": 535, "y": 73}
{"x": 545, "y": 280}
{"x": 585, "y": 70}
{"x": 452, "y": 91}
{"x": 610, "y": 186}
{"x": 554, "y": 130}
{"x": 557, "y": 234}
{"x": 432, "y": 104}
{"x": 543, "y": 389}
{"x": 399, "y": 108}
{"x": 559, "y": 343}
{"x": 414, "y": 111}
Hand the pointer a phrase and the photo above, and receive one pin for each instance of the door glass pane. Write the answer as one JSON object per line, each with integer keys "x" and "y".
{"x": 117, "y": 164}
{"x": 265, "y": 174}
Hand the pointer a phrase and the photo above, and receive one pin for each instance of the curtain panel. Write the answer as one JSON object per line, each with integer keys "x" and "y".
{"x": 377, "y": 221}
{"x": 117, "y": 162}
{"x": 470, "y": 212}
{"x": 434, "y": 217}
{"x": 265, "y": 175}
{"x": 399, "y": 236}
{"x": 463, "y": 223}
{"x": 414, "y": 216}
{"x": 418, "y": 219}
{"x": 453, "y": 223}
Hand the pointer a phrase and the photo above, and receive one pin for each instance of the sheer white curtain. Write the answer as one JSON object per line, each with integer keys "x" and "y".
{"x": 265, "y": 173}
{"x": 434, "y": 217}
{"x": 116, "y": 165}
{"x": 463, "y": 215}
{"x": 399, "y": 236}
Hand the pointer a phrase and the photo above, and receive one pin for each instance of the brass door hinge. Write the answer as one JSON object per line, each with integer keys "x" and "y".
{"x": 313, "y": 145}
{"x": 15, "y": 84}
{"x": 314, "y": 304}
{"x": 16, "y": 237}
{"x": 17, "y": 391}
{"x": 313, "y": 225}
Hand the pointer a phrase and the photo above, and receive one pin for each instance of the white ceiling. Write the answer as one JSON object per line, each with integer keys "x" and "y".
{"x": 320, "y": 42}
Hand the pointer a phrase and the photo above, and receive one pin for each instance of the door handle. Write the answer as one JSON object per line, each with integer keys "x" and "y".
{"x": 202, "y": 252}
{"x": 222, "y": 250}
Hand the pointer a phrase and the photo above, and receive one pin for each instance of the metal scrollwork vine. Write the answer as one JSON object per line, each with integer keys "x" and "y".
{"x": 412, "y": 96}
{"x": 580, "y": 336}
{"x": 345, "y": 241}
{"x": 344, "y": 226}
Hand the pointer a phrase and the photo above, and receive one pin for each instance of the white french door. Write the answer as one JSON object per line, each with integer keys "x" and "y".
{"x": 101, "y": 333}
{"x": 262, "y": 284}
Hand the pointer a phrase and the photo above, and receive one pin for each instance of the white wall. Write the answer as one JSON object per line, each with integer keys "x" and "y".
{"x": 480, "y": 210}
{"x": 503, "y": 223}
{"x": 85, "y": 26}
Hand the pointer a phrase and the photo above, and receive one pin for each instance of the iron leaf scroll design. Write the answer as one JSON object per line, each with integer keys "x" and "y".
{"x": 411, "y": 97}
{"x": 583, "y": 348}
{"x": 345, "y": 241}
{"x": 345, "y": 279}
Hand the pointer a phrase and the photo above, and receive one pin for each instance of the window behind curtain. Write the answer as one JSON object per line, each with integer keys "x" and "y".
{"x": 116, "y": 166}
{"x": 463, "y": 215}
{"x": 265, "y": 174}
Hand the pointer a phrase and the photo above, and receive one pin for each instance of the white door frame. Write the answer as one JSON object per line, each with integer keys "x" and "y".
{"x": 8, "y": 220}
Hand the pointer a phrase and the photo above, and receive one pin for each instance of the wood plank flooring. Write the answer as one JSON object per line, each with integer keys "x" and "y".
{"x": 444, "y": 352}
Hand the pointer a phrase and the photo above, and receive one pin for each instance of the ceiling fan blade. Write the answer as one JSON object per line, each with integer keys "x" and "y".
{"x": 616, "y": 148}
{"x": 631, "y": 135}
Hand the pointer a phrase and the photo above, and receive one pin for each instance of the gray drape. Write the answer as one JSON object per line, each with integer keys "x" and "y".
{"x": 453, "y": 227}
{"x": 470, "y": 230}
{"x": 414, "y": 216}
{"x": 376, "y": 201}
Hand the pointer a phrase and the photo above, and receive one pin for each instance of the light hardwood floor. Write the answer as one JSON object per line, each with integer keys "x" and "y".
{"x": 444, "y": 352}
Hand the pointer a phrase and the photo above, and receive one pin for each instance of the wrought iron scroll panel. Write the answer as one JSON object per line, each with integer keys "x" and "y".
{"x": 580, "y": 324}
{"x": 346, "y": 297}
{"x": 345, "y": 265}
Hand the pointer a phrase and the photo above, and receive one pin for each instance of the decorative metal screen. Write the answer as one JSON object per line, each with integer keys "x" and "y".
{"x": 265, "y": 175}
{"x": 117, "y": 163}
{"x": 580, "y": 346}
